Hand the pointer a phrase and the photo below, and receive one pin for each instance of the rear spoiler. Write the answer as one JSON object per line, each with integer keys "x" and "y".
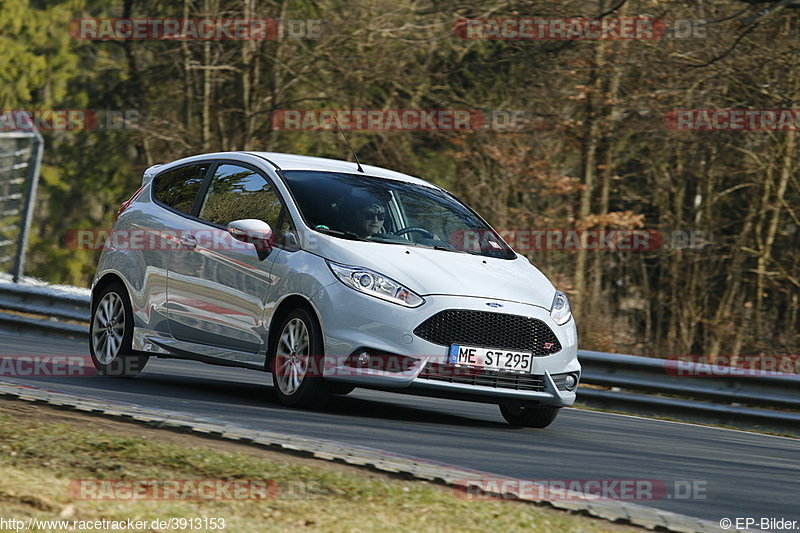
{"x": 148, "y": 175}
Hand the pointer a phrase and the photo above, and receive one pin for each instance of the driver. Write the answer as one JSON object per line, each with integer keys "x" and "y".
{"x": 369, "y": 220}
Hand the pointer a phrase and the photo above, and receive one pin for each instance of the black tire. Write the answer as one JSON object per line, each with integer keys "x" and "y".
{"x": 311, "y": 391}
{"x": 529, "y": 417}
{"x": 111, "y": 334}
{"x": 342, "y": 389}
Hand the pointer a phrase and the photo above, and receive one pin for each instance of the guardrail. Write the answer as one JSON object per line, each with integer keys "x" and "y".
{"x": 666, "y": 387}
{"x": 44, "y": 309}
{"x": 668, "y": 376}
{"x": 628, "y": 383}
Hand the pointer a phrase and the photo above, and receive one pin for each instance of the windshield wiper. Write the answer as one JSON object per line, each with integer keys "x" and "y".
{"x": 448, "y": 249}
{"x": 470, "y": 252}
{"x": 343, "y": 234}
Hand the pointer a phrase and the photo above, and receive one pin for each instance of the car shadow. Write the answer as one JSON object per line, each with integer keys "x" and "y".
{"x": 387, "y": 410}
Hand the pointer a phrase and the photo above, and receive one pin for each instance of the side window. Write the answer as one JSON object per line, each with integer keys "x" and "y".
{"x": 236, "y": 193}
{"x": 287, "y": 226}
{"x": 178, "y": 188}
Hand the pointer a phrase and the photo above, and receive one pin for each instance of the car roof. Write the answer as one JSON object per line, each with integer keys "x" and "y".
{"x": 305, "y": 162}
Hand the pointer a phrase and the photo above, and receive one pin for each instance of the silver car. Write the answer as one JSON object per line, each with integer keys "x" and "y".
{"x": 330, "y": 276}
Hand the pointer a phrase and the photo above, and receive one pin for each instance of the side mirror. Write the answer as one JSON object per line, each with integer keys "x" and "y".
{"x": 256, "y": 232}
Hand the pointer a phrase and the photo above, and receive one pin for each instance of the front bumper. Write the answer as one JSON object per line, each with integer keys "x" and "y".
{"x": 354, "y": 322}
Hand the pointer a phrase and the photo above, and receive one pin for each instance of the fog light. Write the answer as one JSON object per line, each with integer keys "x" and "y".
{"x": 363, "y": 359}
{"x": 570, "y": 381}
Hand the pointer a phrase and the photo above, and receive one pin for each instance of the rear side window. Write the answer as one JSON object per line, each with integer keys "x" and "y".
{"x": 178, "y": 188}
{"x": 237, "y": 193}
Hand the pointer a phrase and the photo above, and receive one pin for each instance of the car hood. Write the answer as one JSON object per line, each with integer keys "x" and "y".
{"x": 428, "y": 271}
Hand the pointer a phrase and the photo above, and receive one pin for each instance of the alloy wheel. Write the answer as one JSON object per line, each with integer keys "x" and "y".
{"x": 292, "y": 356}
{"x": 108, "y": 328}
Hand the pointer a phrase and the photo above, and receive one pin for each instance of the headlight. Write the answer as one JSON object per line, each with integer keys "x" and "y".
{"x": 560, "y": 310}
{"x": 377, "y": 285}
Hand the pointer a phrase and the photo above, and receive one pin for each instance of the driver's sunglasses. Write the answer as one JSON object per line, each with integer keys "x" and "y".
{"x": 377, "y": 215}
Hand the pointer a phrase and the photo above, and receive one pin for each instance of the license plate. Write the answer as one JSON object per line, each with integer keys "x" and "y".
{"x": 490, "y": 358}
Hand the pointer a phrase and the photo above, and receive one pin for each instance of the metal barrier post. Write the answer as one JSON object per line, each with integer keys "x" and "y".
{"x": 32, "y": 181}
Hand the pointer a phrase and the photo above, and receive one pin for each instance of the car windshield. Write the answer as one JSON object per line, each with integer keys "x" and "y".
{"x": 389, "y": 211}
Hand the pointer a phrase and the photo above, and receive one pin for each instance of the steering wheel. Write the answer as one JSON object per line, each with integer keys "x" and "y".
{"x": 425, "y": 233}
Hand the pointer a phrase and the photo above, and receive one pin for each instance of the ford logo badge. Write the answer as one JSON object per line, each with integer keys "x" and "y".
{"x": 494, "y": 304}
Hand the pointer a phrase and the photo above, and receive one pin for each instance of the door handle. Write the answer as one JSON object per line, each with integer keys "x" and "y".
{"x": 189, "y": 242}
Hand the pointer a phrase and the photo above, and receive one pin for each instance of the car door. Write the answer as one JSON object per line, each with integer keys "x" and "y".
{"x": 174, "y": 193}
{"x": 217, "y": 287}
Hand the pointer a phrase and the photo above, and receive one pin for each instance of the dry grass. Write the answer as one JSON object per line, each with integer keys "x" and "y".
{"x": 43, "y": 449}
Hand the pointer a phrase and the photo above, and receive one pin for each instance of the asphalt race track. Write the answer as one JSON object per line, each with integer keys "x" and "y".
{"x": 745, "y": 474}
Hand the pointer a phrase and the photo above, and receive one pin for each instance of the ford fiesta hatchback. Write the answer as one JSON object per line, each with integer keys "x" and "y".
{"x": 330, "y": 276}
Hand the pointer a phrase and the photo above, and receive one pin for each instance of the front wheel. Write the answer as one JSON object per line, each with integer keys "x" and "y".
{"x": 297, "y": 362}
{"x": 111, "y": 333}
{"x": 529, "y": 417}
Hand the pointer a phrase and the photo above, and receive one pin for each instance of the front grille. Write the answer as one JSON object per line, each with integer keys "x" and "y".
{"x": 484, "y": 378}
{"x": 489, "y": 330}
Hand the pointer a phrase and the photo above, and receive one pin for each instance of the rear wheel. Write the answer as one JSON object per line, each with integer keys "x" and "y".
{"x": 111, "y": 334}
{"x": 530, "y": 417}
{"x": 297, "y": 362}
